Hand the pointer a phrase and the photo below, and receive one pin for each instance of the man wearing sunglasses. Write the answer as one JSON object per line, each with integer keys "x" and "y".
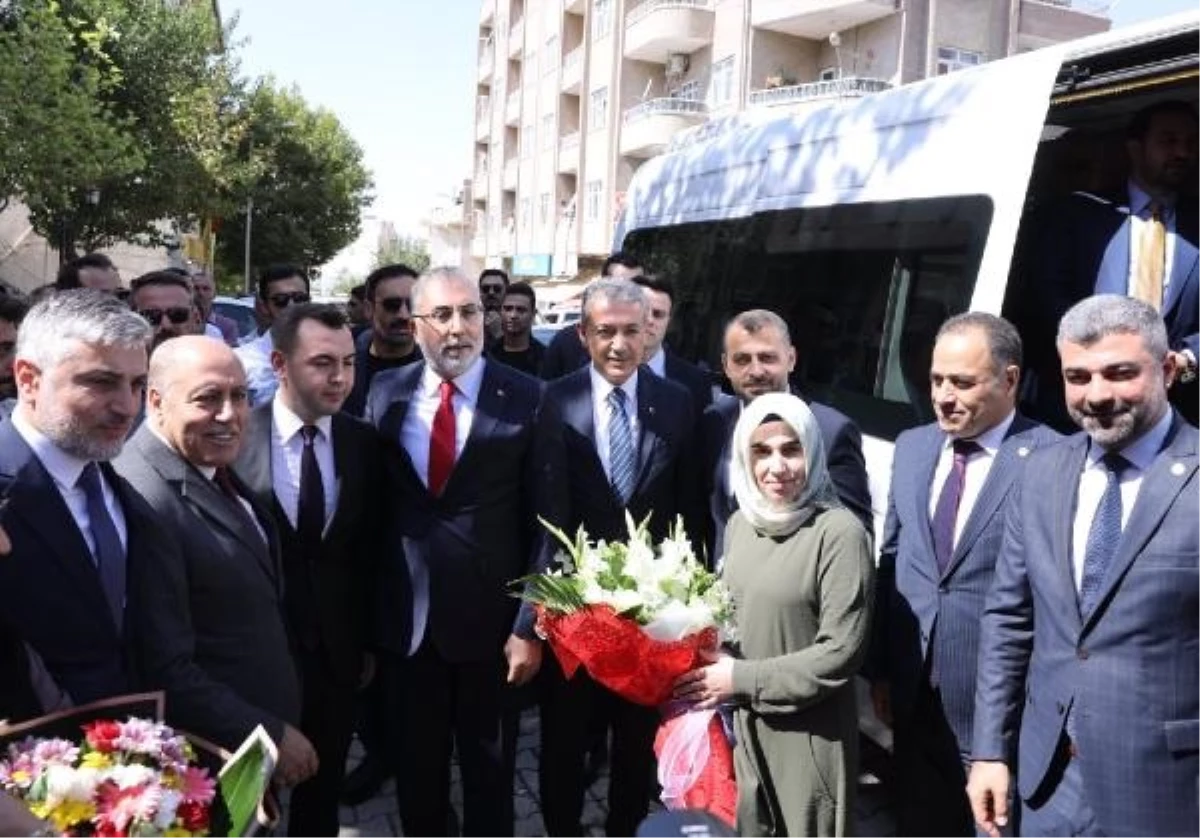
{"x": 279, "y": 286}
{"x": 164, "y": 299}
{"x": 389, "y": 343}
{"x": 493, "y": 283}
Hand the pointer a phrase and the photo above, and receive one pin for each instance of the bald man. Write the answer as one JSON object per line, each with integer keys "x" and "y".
{"x": 212, "y": 624}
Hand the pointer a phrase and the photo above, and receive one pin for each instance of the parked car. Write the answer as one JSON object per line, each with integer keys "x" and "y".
{"x": 241, "y": 311}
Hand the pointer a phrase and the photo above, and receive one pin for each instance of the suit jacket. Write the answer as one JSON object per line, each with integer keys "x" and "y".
{"x": 211, "y": 629}
{"x": 564, "y": 355}
{"x": 1127, "y": 672}
{"x": 694, "y": 380}
{"x": 843, "y": 457}
{"x": 49, "y": 587}
{"x": 926, "y": 621}
{"x": 578, "y": 490}
{"x": 326, "y": 590}
{"x": 461, "y": 549}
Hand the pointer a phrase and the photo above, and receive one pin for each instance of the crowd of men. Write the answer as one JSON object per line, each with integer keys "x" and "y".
{"x": 318, "y": 530}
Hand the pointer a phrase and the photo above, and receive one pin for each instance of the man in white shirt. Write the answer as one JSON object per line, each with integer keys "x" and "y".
{"x": 278, "y": 287}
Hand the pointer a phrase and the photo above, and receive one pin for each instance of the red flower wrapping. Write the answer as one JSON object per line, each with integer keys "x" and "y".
{"x": 715, "y": 790}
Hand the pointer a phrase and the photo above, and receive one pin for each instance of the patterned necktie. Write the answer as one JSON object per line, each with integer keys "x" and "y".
{"x": 622, "y": 460}
{"x": 310, "y": 507}
{"x": 1104, "y": 535}
{"x": 945, "y": 514}
{"x": 442, "y": 440}
{"x": 1152, "y": 258}
{"x": 110, "y": 554}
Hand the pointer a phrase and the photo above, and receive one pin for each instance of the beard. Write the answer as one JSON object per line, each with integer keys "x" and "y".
{"x": 1120, "y": 424}
{"x": 69, "y": 433}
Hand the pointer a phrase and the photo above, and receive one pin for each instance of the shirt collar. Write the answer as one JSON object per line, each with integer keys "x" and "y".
{"x": 658, "y": 363}
{"x": 601, "y": 386}
{"x": 288, "y": 424}
{"x": 1141, "y": 452}
{"x": 63, "y": 467}
{"x": 468, "y": 384}
{"x": 1140, "y": 199}
{"x": 991, "y": 439}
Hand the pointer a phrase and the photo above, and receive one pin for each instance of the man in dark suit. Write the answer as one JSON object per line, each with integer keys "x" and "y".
{"x": 459, "y": 434}
{"x": 950, "y": 483}
{"x": 1088, "y": 685}
{"x": 1141, "y": 242}
{"x": 566, "y": 352}
{"x": 78, "y": 531}
{"x": 758, "y": 357}
{"x": 614, "y": 439}
{"x": 660, "y": 300}
{"x": 211, "y": 627}
{"x": 319, "y": 472}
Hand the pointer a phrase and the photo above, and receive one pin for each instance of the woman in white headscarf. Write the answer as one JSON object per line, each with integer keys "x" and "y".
{"x": 800, "y": 570}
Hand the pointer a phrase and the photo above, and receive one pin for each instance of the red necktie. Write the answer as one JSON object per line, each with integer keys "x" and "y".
{"x": 441, "y": 441}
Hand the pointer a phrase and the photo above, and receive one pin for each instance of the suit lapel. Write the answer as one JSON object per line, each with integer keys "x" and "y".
{"x": 1114, "y": 268}
{"x": 577, "y": 414}
{"x": 488, "y": 409}
{"x": 923, "y": 491}
{"x": 1069, "y": 467}
{"x": 1183, "y": 262}
{"x": 254, "y": 466}
{"x": 344, "y": 462}
{"x": 728, "y": 422}
{"x": 649, "y": 422}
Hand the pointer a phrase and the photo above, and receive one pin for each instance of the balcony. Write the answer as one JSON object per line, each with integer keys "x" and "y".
{"x": 1045, "y": 22}
{"x": 568, "y": 153}
{"x": 480, "y": 182}
{"x": 487, "y": 12}
{"x": 512, "y": 108}
{"x": 575, "y": 7}
{"x": 510, "y": 173}
{"x": 483, "y": 117}
{"x": 647, "y": 128}
{"x": 803, "y": 94}
{"x": 487, "y": 63}
{"x": 571, "y": 80}
{"x": 815, "y": 19}
{"x": 516, "y": 37}
{"x": 656, "y": 28}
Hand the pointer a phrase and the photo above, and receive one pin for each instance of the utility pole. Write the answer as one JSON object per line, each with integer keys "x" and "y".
{"x": 249, "y": 220}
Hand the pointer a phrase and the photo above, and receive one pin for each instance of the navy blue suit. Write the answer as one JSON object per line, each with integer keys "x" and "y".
{"x": 579, "y": 494}
{"x": 49, "y": 587}
{"x": 1126, "y": 673}
{"x": 927, "y": 621}
{"x": 461, "y": 549}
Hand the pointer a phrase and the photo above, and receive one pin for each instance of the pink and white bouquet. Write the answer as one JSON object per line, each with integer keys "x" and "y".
{"x": 131, "y": 777}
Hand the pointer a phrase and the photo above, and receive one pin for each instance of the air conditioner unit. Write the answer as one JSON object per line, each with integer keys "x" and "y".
{"x": 677, "y": 63}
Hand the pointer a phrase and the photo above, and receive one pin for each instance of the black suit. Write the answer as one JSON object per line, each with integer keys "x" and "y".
{"x": 579, "y": 493}
{"x": 564, "y": 355}
{"x": 696, "y": 380}
{"x": 49, "y": 587}
{"x": 460, "y": 550}
{"x": 843, "y": 458}
{"x": 325, "y": 596}
{"x": 211, "y": 623}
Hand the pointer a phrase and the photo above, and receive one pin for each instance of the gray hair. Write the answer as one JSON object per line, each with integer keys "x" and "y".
{"x": 1004, "y": 342}
{"x": 619, "y": 291}
{"x": 757, "y": 319}
{"x": 1095, "y": 318}
{"x": 55, "y": 325}
{"x": 444, "y": 273}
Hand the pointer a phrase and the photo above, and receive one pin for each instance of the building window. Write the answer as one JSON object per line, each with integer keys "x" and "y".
{"x": 544, "y": 208}
{"x": 829, "y": 74}
{"x": 720, "y": 85}
{"x": 601, "y": 19}
{"x": 950, "y": 59}
{"x": 549, "y": 135}
{"x": 688, "y": 90}
{"x": 598, "y": 112}
{"x": 592, "y": 208}
{"x": 525, "y": 206}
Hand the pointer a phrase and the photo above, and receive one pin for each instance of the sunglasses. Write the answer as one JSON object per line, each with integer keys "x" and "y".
{"x": 283, "y": 300}
{"x": 176, "y": 314}
{"x": 392, "y": 305}
{"x": 443, "y": 315}
{"x": 492, "y": 289}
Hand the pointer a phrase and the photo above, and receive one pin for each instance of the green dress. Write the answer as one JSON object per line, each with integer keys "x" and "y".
{"x": 804, "y": 604}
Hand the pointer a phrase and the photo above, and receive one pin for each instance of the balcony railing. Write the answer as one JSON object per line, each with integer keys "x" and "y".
{"x": 835, "y": 88}
{"x": 666, "y": 105}
{"x": 647, "y": 7}
{"x": 571, "y": 59}
{"x": 483, "y": 108}
{"x": 569, "y": 141}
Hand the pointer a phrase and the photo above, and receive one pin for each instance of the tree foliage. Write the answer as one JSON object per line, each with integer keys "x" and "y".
{"x": 405, "y": 250}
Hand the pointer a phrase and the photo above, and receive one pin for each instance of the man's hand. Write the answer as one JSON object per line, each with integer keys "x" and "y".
{"x": 524, "y": 659}
{"x": 881, "y": 700}
{"x": 297, "y": 759}
{"x": 367, "y": 673}
{"x": 987, "y": 789}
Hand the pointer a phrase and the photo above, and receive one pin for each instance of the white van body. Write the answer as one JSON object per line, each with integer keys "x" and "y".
{"x": 866, "y": 215}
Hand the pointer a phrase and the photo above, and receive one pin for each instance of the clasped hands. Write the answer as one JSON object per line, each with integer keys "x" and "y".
{"x": 707, "y": 686}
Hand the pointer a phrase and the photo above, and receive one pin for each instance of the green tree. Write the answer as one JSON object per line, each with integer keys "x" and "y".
{"x": 405, "y": 250}
{"x": 307, "y": 185}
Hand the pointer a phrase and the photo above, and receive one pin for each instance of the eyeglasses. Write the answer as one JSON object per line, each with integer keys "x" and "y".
{"x": 176, "y": 314}
{"x": 491, "y": 289}
{"x": 284, "y": 300}
{"x": 442, "y": 315}
{"x": 392, "y": 305}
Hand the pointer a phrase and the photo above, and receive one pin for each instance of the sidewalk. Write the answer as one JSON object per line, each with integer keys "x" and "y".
{"x": 380, "y": 815}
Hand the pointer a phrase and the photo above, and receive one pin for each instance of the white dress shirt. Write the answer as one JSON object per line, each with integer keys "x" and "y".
{"x": 1139, "y": 214}
{"x": 65, "y": 470}
{"x": 979, "y": 465}
{"x": 256, "y": 360}
{"x": 417, "y": 429}
{"x": 287, "y": 450}
{"x": 1140, "y": 455}
{"x": 658, "y": 363}
{"x": 602, "y": 413}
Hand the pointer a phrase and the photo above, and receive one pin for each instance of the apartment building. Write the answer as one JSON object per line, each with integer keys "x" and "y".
{"x": 574, "y": 95}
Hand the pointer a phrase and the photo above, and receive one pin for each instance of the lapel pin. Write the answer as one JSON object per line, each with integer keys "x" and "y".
{"x": 500, "y": 393}
{"x": 1178, "y": 469}
{"x": 1023, "y": 451}
{"x": 650, "y": 409}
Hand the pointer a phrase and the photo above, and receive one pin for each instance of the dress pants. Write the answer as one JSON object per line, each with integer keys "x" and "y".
{"x": 327, "y": 720}
{"x": 437, "y": 707}
{"x": 930, "y": 778}
{"x": 567, "y": 707}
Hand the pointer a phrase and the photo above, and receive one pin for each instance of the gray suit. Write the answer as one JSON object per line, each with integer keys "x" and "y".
{"x": 1127, "y": 674}
{"x": 212, "y": 629}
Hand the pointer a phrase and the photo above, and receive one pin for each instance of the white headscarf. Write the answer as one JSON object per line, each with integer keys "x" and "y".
{"x": 768, "y": 518}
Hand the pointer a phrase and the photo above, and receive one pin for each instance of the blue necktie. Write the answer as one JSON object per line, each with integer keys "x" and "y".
{"x": 945, "y": 514}
{"x": 622, "y": 460}
{"x": 109, "y": 553}
{"x": 1104, "y": 535}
